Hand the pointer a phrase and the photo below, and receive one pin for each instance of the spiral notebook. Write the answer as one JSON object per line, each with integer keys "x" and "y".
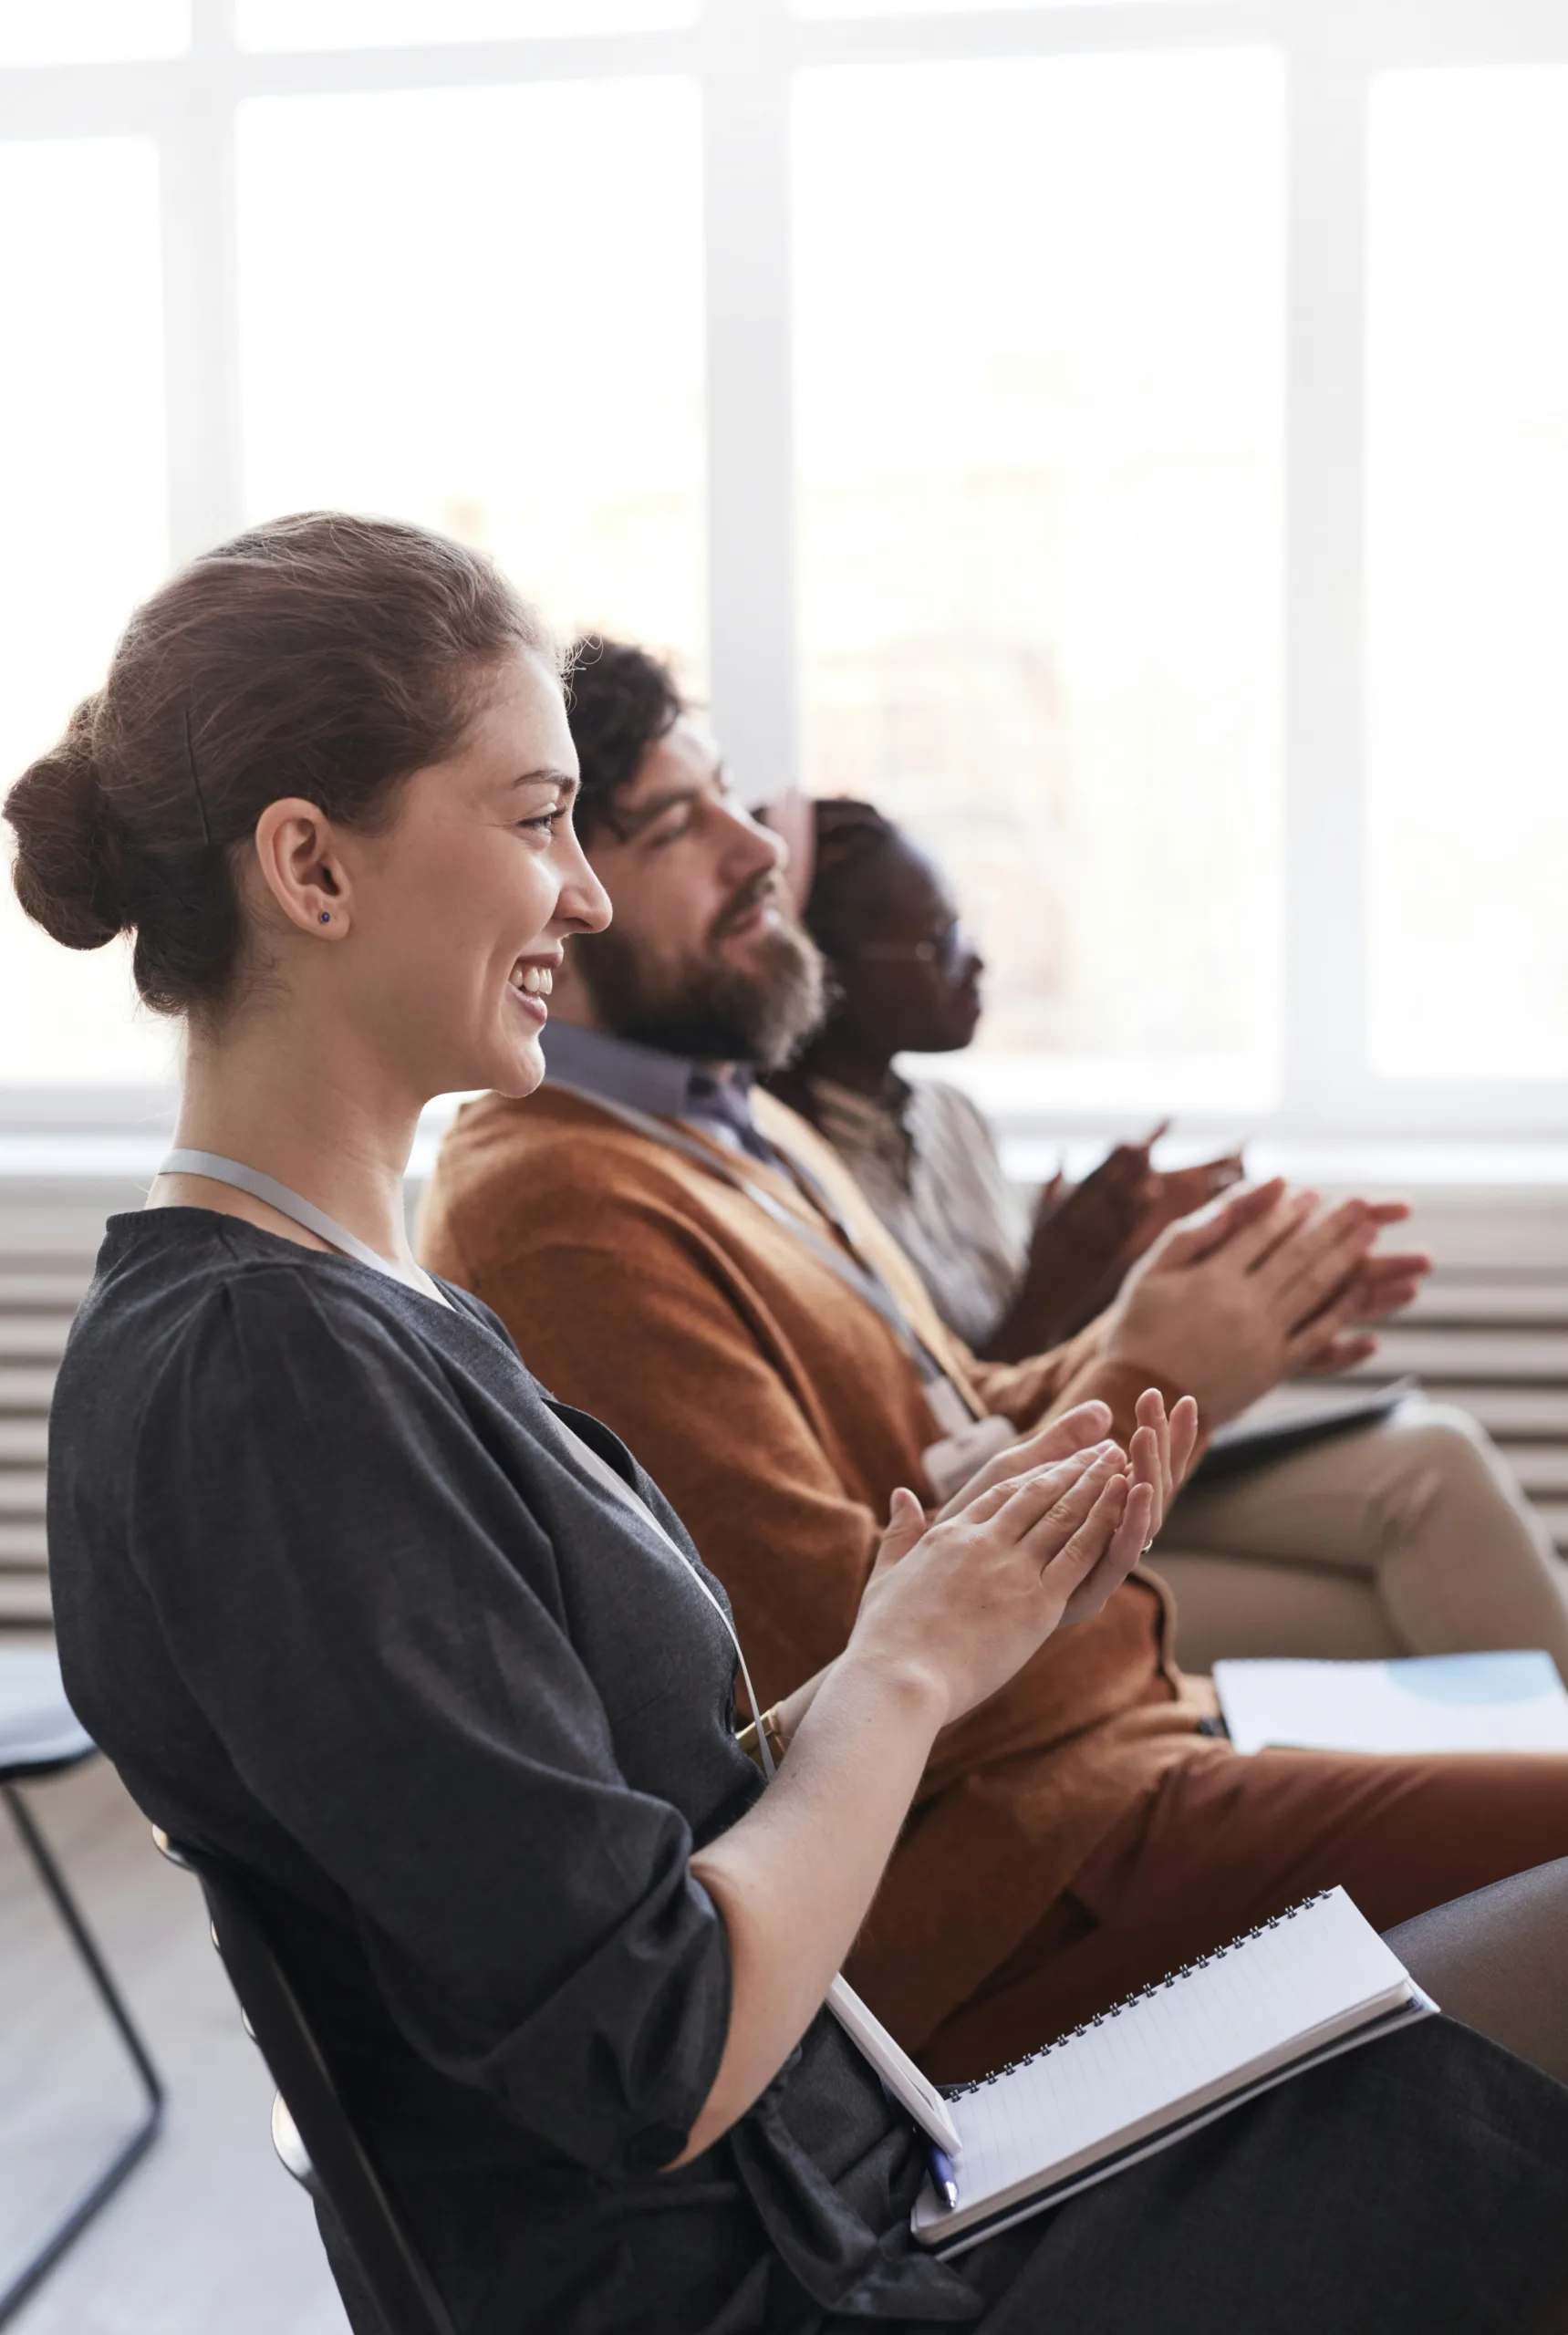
{"x": 1299, "y": 1990}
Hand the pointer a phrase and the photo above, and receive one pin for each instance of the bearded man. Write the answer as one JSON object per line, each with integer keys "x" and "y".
{"x": 680, "y": 1255}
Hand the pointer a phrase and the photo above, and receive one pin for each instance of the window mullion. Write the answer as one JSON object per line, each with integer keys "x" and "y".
{"x": 1324, "y": 902}
{"x": 201, "y": 292}
{"x": 751, "y": 457}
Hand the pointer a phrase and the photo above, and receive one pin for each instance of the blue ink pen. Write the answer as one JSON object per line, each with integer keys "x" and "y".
{"x": 942, "y": 2177}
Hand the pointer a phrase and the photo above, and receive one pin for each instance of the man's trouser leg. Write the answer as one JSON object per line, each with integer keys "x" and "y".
{"x": 1222, "y": 1843}
{"x": 1410, "y": 1537}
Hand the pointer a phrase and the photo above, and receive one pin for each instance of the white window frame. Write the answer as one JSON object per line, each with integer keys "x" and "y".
{"x": 743, "y": 53}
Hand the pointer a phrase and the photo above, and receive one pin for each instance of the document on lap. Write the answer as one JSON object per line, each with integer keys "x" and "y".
{"x": 1443, "y": 1702}
{"x": 1293, "y": 1993}
{"x": 1293, "y": 1417}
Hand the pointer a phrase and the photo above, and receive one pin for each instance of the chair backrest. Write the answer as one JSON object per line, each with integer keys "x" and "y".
{"x": 340, "y": 2162}
{"x": 40, "y": 1734}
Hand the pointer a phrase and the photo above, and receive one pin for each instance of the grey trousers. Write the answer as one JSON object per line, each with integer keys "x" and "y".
{"x": 1410, "y": 1537}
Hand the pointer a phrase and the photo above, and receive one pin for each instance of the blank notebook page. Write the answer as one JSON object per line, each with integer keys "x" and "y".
{"x": 1257, "y": 2002}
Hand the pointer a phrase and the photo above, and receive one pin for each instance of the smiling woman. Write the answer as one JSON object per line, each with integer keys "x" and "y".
{"x": 270, "y": 735}
{"x": 319, "y": 731}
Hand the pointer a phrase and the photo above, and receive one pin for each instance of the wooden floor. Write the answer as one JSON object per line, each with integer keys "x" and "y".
{"x": 209, "y": 2232}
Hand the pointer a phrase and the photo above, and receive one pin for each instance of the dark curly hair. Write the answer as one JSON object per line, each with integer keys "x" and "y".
{"x": 322, "y": 656}
{"x": 620, "y": 703}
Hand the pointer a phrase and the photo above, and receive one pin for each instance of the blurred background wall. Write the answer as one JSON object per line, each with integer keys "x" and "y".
{"x": 1129, "y": 438}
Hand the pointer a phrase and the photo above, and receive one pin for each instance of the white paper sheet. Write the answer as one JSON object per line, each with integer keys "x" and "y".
{"x": 1447, "y": 1702}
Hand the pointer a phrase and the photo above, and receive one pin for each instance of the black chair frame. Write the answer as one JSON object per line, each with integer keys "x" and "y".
{"x": 133, "y": 2150}
{"x": 340, "y": 2169}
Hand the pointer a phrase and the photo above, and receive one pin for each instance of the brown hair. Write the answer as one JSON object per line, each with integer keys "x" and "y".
{"x": 621, "y": 702}
{"x": 321, "y": 656}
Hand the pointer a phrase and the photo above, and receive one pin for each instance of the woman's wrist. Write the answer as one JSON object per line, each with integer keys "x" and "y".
{"x": 909, "y": 1682}
{"x": 790, "y": 1709}
{"x": 912, "y": 1682}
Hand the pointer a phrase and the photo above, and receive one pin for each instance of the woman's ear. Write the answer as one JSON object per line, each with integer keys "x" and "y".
{"x": 299, "y": 862}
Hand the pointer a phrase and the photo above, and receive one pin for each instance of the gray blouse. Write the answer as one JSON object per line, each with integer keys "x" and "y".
{"x": 337, "y": 1598}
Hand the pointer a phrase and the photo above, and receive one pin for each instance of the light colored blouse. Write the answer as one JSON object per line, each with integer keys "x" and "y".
{"x": 927, "y": 1160}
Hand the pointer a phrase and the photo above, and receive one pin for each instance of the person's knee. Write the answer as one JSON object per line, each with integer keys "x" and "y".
{"x": 1446, "y": 1448}
{"x": 1434, "y": 1480}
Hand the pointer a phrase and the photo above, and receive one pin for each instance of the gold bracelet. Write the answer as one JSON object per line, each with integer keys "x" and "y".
{"x": 773, "y": 1735}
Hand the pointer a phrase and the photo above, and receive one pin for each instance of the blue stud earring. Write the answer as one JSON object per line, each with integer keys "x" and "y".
{"x": 326, "y": 916}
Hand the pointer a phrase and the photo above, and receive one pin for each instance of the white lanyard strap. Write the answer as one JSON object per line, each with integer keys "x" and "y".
{"x": 219, "y": 1170}
{"x": 952, "y": 1407}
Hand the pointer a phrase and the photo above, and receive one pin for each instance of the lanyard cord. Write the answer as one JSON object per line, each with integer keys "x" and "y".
{"x": 219, "y": 1170}
{"x": 852, "y": 1269}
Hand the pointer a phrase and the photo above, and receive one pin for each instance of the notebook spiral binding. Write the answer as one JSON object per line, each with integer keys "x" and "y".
{"x": 1139, "y": 1995}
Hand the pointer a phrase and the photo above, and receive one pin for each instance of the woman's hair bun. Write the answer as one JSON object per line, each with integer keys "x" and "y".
{"x": 68, "y": 870}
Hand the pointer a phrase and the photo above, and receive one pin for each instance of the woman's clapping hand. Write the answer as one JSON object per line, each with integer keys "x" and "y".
{"x": 965, "y": 1601}
{"x": 1159, "y": 1454}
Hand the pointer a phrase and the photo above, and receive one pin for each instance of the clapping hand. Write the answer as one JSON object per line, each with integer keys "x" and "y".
{"x": 1087, "y": 1236}
{"x": 1159, "y": 1454}
{"x": 1271, "y": 1285}
{"x": 965, "y": 1601}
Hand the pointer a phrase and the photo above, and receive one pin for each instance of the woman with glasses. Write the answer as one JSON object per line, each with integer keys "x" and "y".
{"x": 906, "y": 978}
{"x": 351, "y": 1601}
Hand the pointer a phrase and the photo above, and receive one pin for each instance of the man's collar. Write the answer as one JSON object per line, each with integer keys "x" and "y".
{"x": 667, "y": 1086}
{"x": 619, "y": 1069}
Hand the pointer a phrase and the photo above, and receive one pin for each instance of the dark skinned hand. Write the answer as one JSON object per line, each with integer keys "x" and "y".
{"x": 1088, "y": 1237}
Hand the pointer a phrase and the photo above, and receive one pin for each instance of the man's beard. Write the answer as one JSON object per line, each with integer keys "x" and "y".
{"x": 712, "y": 1011}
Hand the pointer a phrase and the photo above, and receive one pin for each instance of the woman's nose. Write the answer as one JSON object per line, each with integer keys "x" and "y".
{"x": 583, "y": 905}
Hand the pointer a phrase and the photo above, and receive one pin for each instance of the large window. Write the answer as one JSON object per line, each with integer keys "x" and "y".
{"x": 505, "y": 342}
{"x": 1468, "y": 434}
{"x": 85, "y": 533}
{"x": 1128, "y": 441}
{"x": 1040, "y": 323}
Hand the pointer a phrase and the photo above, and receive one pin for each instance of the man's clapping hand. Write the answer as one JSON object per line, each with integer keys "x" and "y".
{"x": 1272, "y": 1286}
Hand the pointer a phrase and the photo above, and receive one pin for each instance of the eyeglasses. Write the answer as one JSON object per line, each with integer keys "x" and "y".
{"x": 947, "y": 950}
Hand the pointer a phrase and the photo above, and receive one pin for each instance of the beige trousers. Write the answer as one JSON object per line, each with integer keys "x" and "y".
{"x": 1410, "y": 1537}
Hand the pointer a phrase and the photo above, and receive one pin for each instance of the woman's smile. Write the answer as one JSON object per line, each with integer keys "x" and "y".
{"x": 531, "y": 982}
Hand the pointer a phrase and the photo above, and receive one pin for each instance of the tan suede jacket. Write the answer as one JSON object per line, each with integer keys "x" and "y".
{"x": 779, "y": 1412}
